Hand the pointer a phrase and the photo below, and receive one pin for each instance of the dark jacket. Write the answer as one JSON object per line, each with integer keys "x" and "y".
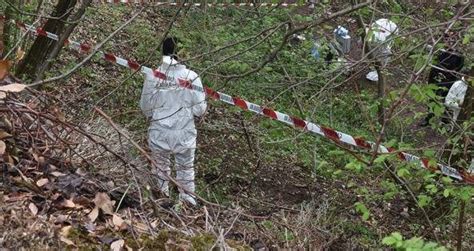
{"x": 448, "y": 61}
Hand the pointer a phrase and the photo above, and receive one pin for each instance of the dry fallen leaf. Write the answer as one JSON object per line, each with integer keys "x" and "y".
{"x": 117, "y": 220}
{"x": 3, "y": 146}
{"x": 42, "y": 182}
{"x": 61, "y": 219}
{"x": 68, "y": 204}
{"x": 19, "y": 54}
{"x": 12, "y": 88}
{"x": 4, "y": 135}
{"x": 102, "y": 201}
{"x": 141, "y": 227}
{"x": 35, "y": 156}
{"x": 57, "y": 174}
{"x": 81, "y": 201}
{"x": 41, "y": 160}
{"x": 3, "y": 95}
{"x": 6, "y": 123}
{"x": 117, "y": 245}
{"x": 16, "y": 197}
{"x": 4, "y": 68}
{"x": 56, "y": 196}
{"x": 154, "y": 224}
{"x": 67, "y": 241}
{"x": 93, "y": 214}
{"x": 9, "y": 159}
{"x": 110, "y": 184}
{"x": 80, "y": 171}
{"x": 52, "y": 167}
{"x": 33, "y": 209}
{"x": 64, "y": 234}
{"x": 59, "y": 114}
{"x": 65, "y": 231}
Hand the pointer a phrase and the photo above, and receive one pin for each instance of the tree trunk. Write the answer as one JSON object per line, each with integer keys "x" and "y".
{"x": 2, "y": 37}
{"x": 380, "y": 93}
{"x": 467, "y": 106}
{"x": 42, "y": 47}
{"x": 381, "y": 85}
{"x": 465, "y": 115}
{"x": 5, "y": 31}
{"x": 62, "y": 39}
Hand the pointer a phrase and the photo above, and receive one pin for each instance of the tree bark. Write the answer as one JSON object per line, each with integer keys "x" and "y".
{"x": 2, "y": 37}
{"x": 462, "y": 208}
{"x": 5, "y": 31}
{"x": 381, "y": 85}
{"x": 467, "y": 106}
{"x": 62, "y": 39}
{"x": 460, "y": 231}
{"x": 42, "y": 47}
{"x": 380, "y": 93}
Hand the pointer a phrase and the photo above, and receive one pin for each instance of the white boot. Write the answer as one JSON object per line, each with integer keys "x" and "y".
{"x": 185, "y": 178}
{"x": 187, "y": 198}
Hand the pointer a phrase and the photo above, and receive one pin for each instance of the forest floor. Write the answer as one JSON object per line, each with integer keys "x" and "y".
{"x": 267, "y": 199}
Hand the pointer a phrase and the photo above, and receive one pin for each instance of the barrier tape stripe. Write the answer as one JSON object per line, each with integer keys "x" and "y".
{"x": 283, "y": 5}
{"x": 329, "y": 133}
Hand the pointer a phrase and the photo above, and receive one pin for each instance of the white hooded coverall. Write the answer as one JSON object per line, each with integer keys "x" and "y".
{"x": 455, "y": 98}
{"x": 379, "y": 34}
{"x": 171, "y": 109}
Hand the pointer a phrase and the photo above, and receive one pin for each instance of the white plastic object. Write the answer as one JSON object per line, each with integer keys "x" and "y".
{"x": 372, "y": 76}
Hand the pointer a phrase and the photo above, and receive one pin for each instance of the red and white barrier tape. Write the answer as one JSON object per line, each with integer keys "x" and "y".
{"x": 156, "y": 3}
{"x": 329, "y": 133}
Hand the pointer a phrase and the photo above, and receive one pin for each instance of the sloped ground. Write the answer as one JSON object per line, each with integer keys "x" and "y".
{"x": 270, "y": 201}
{"x": 54, "y": 205}
{"x": 52, "y": 199}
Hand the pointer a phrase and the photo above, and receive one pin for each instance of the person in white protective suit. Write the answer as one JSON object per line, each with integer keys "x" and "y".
{"x": 171, "y": 109}
{"x": 378, "y": 36}
{"x": 455, "y": 98}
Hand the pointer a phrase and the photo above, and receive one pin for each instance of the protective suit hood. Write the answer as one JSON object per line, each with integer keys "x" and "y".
{"x": 377, "y": 34}
{"x": 169, "y": 62}
{"x": 382, "y": 29}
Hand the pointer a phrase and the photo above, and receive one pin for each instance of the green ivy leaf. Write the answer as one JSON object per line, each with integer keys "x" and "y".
{"x": 423, "y": 200}
{"x": 403, "y": 172}
{"x": 389, "y": 240}
{"x": 361, "y": 208}
{"x": 466, "y": 39}
{"x": 381, "y": 158}
{"x": 431, "y": 245}
{"x": 465, "y": 194}
{"x": 397, "y": 236}
{"x": 414, "y": 243}
{"x": 438, "y": 110}
{"x": 447, "y": 180}
{"x": 446, "y": 192}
